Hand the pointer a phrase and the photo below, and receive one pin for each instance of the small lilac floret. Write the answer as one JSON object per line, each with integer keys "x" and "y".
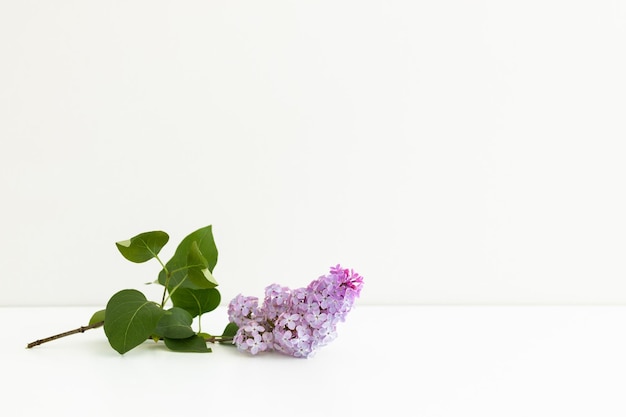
{"x": 289, "y": 320}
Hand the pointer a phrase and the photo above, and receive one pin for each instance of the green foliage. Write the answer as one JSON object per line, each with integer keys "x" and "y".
{"x": 197, "y": 302}
{"x": 130, "y": 318}
{"x": 230, "y": 331}
{"x": 97, "y": 317}
{"x": 194, "y": 343}
{"x": 175, "y": 324}
{"x": 192, "y": 263}
{"x": 143, "y": 247}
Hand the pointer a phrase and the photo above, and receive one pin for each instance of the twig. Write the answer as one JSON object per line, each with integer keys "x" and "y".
{"x": 82, "y": 329}
{"x": 219, "y": 339}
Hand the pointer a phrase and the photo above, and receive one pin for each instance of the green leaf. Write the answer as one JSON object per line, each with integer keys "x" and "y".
{"x": 195, "y": 257}
{"x": 202, "y": 254}
{"x": 200, "y": 278}
{"x": 175, "y": 324}
{"x": 198, "y": 268}
{"x": 194, "y": 343}
{"x": 97, "y": 317}
{"x": 230, "y": 330}
{"x": 196, "y": 302}
{"x": 143, "y": 247}
{"x": 130, "y": 320}
{"x": 205, "y": 243}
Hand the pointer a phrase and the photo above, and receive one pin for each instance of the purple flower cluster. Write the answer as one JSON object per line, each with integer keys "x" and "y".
{"x": 295, "y": 322}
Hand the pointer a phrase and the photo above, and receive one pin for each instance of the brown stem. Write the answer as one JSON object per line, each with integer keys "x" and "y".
{"x": 83, "y": 329}
{"x": 219, "y": 339}
{"x": 60, "y": 335}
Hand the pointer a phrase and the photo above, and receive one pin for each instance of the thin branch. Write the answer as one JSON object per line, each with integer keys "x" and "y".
{"x": 219, "y": 339}
{"x": 82, "y": 329}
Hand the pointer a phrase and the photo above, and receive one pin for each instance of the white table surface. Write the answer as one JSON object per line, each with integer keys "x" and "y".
{"x": 408, "y": 361}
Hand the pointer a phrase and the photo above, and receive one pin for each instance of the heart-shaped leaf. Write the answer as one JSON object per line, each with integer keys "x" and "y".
{"x": 175, "y": 324}
{"x": 143, "y": 247}
{"x": 191, "y": 344}
{"x": 130, "y": 319}
{"x": 196, "y": 302}
{"x": 196, "y": 251}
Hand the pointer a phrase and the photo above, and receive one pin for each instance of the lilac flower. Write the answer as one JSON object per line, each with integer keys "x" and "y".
{"x": 289, "y": 320}
{"x": 315, "y": 317}
{"x": 302, "y": 349}
{"x": 282, "y": 336}
{"x": 253, "y": 337}
{"x": 255, "y": 344}
{"x": 274, "y": 303}
{"x": 242, "y": 308}
{"x": 304, "y": 332}
{"x": 295, "y": 322}
{"x": 325, "y": 334}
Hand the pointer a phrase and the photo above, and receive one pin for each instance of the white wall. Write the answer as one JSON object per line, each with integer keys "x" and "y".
{"x": 450, "y": 151}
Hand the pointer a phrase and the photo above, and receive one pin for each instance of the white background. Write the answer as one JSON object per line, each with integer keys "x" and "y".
{"x": 474, "y": 361}
{"x": 451, "y": 152}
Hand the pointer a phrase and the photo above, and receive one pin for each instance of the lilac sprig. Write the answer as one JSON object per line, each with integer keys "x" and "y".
{"x": 295, "y": 322}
